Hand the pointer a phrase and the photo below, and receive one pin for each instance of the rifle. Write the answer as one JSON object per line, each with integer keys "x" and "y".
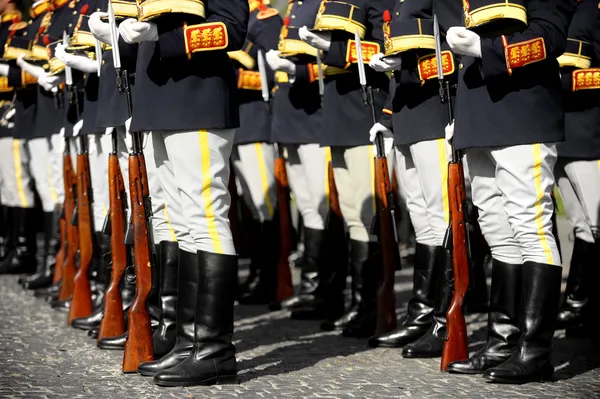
{"x": 456, "y": 239}
{"x": 386, "y": 219}
{"x": 139, "y": 345}
{"x": 285, "y": 287}
{"x": 72, "y": 235}
{"x": 81, "y": 305}
{"x": 60, "y": 255}
{"x": 113, "y": 322}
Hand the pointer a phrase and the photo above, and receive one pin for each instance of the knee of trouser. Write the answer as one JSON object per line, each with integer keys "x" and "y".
{"x": 507, "y": 253}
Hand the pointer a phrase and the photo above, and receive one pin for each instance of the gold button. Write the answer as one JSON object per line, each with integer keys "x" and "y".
{"x": 397, "y": 14}
{"x": 460, "y": 66}
{"x": 74, "y": 12}
{"x": 300, "y": 3}
{"x": 293, "y": 16}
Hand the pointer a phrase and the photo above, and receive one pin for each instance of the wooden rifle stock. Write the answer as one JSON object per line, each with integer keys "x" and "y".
{"x": 386, "y": 297}
{"x": 456, "y": 344}
{"x": 81, "y": 306}
{"x": 139, "y": 346}
{"x": 335, "y": 221}
{"x": 60, "y": 255}
{"x": 72, "y": 235}
{"x": 113, "y": 323}
{"x": 285, "y": 287}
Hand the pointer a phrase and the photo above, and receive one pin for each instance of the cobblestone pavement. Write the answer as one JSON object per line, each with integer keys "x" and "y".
{"x": 278, "y": 358}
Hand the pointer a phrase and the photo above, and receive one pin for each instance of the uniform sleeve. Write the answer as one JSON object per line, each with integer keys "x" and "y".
{"x": 267, "y": 33}
{"x": 19, "y": 78}
{"x": 386, "y": 115}
{"x": 544, "y": 38}
{"x": 224, "y": 29}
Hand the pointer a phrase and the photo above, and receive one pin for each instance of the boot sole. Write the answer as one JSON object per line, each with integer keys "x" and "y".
{"x": 421, "y": 355}
{"x": 147, "y": 373}
{"x": 541, "y": 377}
{"x": 221, "y": 380}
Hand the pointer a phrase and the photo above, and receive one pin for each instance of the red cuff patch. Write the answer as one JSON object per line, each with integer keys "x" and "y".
{"x": 428, "y": 68}
{"x": 369, "y": 49}
{"x": 205, "y": 37}
{"x": 524, "y": 53}
{"x": 586, "y": 79}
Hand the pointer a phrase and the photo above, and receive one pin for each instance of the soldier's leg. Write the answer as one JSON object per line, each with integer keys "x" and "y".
{"x": 524, "y": 176}
{"x": 56, "y": 166}
{"x": 420, "y": 307}
{"x": 99, "y": 146}
{"x": 6, "y": 192}
{"x": 570, "y": 181}
{"x": 40, "y": 165}
{"x": 254, "y": 167}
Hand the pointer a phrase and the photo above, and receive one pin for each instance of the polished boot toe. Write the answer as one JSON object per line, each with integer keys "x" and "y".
{"x": 113, "y": 343}
{"x": 93, "y": 333}
{"x": 192, "y": 371}
{"x": 425, "y": 347}
{"x": 171, "y": 359}
{"x": 399, "y": 337}
{"x": 477, "y": 364}
{"x": 340, "y": 323}
{"x": 47, "y": 292}
{"x": 516, "y": 371}
{"x": 63, "y": 306}
{"x": 42, "y": 281}
{"x": 88, "y": 322}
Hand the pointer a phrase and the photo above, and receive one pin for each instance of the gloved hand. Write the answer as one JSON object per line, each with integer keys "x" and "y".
{"x": 134, "y": 31}
{"x": 100, "y": 29}
{"x": 92, "y": 145}
{"x": 33, "y": 70}
{"x": 109, "y": 130}
{"x": 388, "y": 137}
{"x": 381, "y": 64}
{"x": 449, "y": 136}
{"x": 61, "y": 134}
{"x": 77, "y": 128}
{"x": 9, "y": 115}
{"x": 280, "y": 64}
{"x": 4, "y": 68}
{"x": 463, "y": 41}
{"x": 129, "y": 137}
{"x": 50, "y": 83}
{"x": 78, "y": 62}
{"x": 321, "y": 40}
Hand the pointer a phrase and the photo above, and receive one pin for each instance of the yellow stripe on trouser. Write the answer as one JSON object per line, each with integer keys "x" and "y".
{"x": 373, "y": 190}
{"x": 19, "y": 172}
{"x": 206, "y": 192}
{"x": 327, "y": 162}
{"x": 443, "y": 160}
{"x": 264, "y": 177}
{"x": 50, "y": 184}
{"x": 173, "y": 236}
{"x": 539, "y": 209}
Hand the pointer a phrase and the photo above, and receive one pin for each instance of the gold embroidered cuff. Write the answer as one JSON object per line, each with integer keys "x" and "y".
{"x": 369, "y": 49}
{"x": 586, "y": 79}
{"x": 478, "y": 16}
{"x": 249, "y": 80}
{"x": 428, "y": 68}
{"x": 205, "y": 37}
{"x": 4, "y": 87}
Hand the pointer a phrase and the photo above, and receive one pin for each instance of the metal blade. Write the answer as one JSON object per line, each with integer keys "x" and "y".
{"x": 320, "y": 72}
{"x": 262, "y": 70}
{"x": 438, "y": 47}
{"x": 68, "y": 72}
{"x": 114, "y": 37}
{"x": 361, "y": 64}
{"x": 98, "y": 56}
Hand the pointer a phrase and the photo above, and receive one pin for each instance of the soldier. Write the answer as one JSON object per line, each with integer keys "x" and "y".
{"x": 418, "y": 119}
{"x": 296, "y": 124}
{"x": 508, "y": 115}
{"x": 577, "y": 172}
{"x": 254, "y": 155}
{"x": 345, "y": 121}
{"x": 193, "y": 137}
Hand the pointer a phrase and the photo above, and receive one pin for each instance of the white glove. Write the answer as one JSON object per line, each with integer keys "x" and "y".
{"x": 381, "y": 64}
{"x": 10, "y": 114}
{"x": 4, "y": 68}
{"x": 449, "y": 136}
{"x": 61, "y": 134}
{"x": 92, "y": 145}
{"x": 322, "y": 40}
{"x": 109, "y": 130}
{"x": 77, "y": 128}
{"x": 463, "y": 41}
{"x": 33, "y": 70}
{"x": 379, "y": 128}
{"x": 134, "y": 31}
{"x": 100, "y": 29}
{"x": 78, "y": 62}
{"x": 129, "y": 137}
{"x": 280, "y": 64}
{"x": 48, "y": 82}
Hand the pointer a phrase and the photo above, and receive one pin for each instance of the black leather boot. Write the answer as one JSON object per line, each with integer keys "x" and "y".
{"x": 212, "y": 360}
{"x": 419, "y": 312}
{"x": 164, "y": 336}
{"x": 93, "y": 333}
{"x": 153, "y": 300}
{"x": 114, "y": 343}
{"x": 22, "y": 258}
{"x": 187, "y": 292}
{"x": 43, "y": 277}
{"x": 503, "y": 319}
{"x": 579, "y": 286}
{"x": 6, "y": 227}
{"x": 309, "y": 280}
{"x": 540, "y": 295}
{"x": 366, "y": 257}
{"x": 47, "y": 292}
{"x": 261, "y": 285}
{"x": 432, "y": 342}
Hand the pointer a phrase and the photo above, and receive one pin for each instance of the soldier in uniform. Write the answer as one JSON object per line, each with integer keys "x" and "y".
{"x": 577, "y": 169}
{"x": 296, "y": 124}
{"x": 186, "y": 97}
{"x": 418, "y": 121}
{"x": 345, "y": 121}
{"x": 254, "y": 155}
{"x": 509, "y": 114}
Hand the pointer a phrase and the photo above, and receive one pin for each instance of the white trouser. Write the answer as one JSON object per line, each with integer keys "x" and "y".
{"x": 56, "y": 166}
{"x": 354, "y": 173}
{"x": 38, "y": 157}
{"x": 193, "y": 168}
{"x": 512, "y": 187}
{"x": 423, "y": 176}
{"x": 306, "y": 167}
{"x": 99, "y": 146}
{"x": 578, "y": 182}
{"x": 16, "y": 189}
{"x": 254, "y": 167}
